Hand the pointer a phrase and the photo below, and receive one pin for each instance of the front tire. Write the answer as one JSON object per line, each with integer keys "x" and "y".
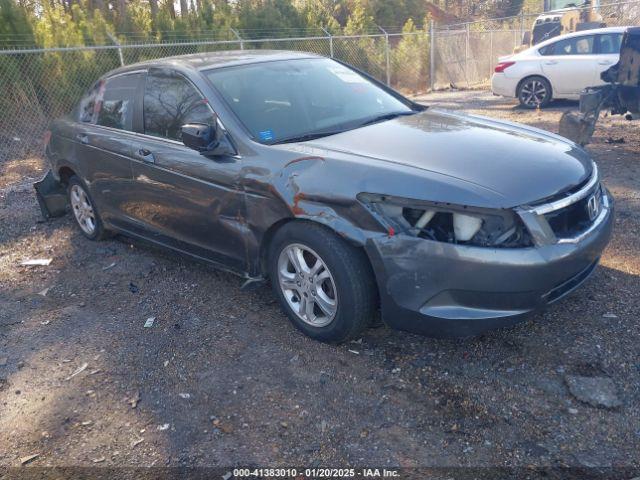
{"x": 84, "y": 210}
{"x": 324, "y": 284}
{"x": 534, "y": 92}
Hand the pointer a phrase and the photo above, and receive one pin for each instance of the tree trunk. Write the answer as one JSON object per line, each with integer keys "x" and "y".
{"x": 184, "y": 8}
{"x": 153, "y": 4}
{"x": 171, "y": 8}
{"x": 122, "y": 12}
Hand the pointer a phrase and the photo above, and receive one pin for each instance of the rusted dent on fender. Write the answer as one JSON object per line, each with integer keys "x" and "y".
{"x": 298, "y": 187}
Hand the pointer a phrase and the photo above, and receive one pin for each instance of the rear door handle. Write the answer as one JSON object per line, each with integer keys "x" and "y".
{"x": 84, "y": 139}
{"x": 605, "y": 62}
{"x": 146, "y": 155}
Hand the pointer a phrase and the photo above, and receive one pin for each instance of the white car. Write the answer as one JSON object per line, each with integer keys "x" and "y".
{"x": 558, "y": 68}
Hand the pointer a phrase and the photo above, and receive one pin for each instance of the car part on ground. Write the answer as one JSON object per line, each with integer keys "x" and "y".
{"x": 621, "y": 96}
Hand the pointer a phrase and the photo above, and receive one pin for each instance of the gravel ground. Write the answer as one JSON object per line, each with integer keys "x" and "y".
{"x": 223, "y": 379}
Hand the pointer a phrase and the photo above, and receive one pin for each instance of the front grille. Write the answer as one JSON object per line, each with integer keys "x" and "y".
{"x": 575, "y": 218}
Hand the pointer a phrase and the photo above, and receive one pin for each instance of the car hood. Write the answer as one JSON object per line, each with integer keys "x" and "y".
{"x": 519, "y": 164}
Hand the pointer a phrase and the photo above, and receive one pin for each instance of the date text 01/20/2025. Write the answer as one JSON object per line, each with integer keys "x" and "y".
{"x": 314, "y": 473}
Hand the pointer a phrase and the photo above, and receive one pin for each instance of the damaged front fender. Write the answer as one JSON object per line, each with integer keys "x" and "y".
{"x": 51, "y": 195}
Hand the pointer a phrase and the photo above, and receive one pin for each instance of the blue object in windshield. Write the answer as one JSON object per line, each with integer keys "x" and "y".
{"x": 266, "y": 135}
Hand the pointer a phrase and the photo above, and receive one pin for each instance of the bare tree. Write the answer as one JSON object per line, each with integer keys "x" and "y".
{"x": 184, "y": 8}
{"x": 153, "y": 4}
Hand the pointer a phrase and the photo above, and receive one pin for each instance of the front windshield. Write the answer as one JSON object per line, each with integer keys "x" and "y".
{"x": 291, "y": 99}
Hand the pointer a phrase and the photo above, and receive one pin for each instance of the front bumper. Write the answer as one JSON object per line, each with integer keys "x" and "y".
{"x": 446, "y": 290}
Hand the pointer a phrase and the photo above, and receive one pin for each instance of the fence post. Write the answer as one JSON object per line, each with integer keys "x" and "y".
{"x": 115, "y": 41}
{"x": 387, "y": 54}
{"x": 330, "y": 40}
{"x": 491, "y": 61}
{"x": 432, "y": 55}
{"x": 235, "y": 32}
{"x": 521, "y": 26}
{"x": 467, "y": 53}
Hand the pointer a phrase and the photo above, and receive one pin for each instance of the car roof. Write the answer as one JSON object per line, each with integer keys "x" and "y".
{"x": 581, "y": 33}
{"x": 210, "y": 60}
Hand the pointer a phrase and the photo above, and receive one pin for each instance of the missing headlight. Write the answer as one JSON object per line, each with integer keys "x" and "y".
{"x": 497, "y": 228}
{"x": 501, "y": 230}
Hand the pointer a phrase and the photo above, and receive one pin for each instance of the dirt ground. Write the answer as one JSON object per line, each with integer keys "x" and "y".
{"x": 223, "y": 379}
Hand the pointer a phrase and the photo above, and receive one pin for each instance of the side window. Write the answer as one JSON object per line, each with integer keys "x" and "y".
{"x": 609, "y": 43}
{"x": 170, "y": 101}
{"x": 574, "y": 46}
{"x": 87, "y": 106}
{"x": 116, "y": 101}
{"x": 547, "y": 50}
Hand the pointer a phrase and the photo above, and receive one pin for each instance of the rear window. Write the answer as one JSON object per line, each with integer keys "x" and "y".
{"x": 609, "y": 43}
{"x": 117, "y": 101}
{"x": 87, "y": 107}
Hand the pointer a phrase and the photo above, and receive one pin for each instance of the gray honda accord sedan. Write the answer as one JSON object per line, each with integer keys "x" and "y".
{"x": 344, "y": 194}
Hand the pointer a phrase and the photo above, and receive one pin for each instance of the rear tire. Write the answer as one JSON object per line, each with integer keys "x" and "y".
{"x": 324, "y": 285}
{"x": 534, "y": 92}
{"x": 84, "y": 210}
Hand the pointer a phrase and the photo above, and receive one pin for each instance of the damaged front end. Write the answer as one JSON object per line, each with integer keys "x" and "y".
{"x": 448, "y": 223}
{"x": 621, "y": 96}
{"x": 51, "y": 195}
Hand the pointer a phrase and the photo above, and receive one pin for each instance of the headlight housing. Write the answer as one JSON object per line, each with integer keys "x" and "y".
{"x": 445, "y": 222}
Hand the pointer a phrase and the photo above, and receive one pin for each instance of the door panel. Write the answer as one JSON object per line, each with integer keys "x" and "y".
{"x": 105, "y": 156}
{"x": 184, "y": 199}
{"x": 570, "y": 64}
{"x": 103, "y": 142}
{"x": 193, "y": 200}
{"x": 570, "y": 74}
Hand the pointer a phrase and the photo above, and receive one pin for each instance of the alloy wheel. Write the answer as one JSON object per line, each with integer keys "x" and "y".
{"x": 83, "y": 210}
{"x": 533, "y": 93}
{"x": 307, "y": 285}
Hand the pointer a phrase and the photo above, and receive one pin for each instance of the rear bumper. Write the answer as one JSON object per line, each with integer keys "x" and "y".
{"x": 51, "y": 195}
{"x": 446, "y": 290}
{"x": 502, "y": 85}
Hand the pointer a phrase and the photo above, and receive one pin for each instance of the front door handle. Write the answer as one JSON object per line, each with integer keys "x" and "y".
{"x": 605, "y": 62}
{"x": 551, "y": 62}
{"x": 84, "y": 139}
{"x": 146, "y": 155}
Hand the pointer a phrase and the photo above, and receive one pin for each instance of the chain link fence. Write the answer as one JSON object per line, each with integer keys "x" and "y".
{"x": 38, "y": 85}
{"x": 465, "y": 54}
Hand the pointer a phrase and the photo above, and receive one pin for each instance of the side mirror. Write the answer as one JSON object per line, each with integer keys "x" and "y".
{"x": 200, "y": 137}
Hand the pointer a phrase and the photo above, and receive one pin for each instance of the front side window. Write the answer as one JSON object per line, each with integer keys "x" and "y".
{"x": 116, "y": 101}
{"x": 170, "y": 101}
{"x": 609, "y": 43}
{"x": 574, "y": 46}
{"x": 288, "y": 99}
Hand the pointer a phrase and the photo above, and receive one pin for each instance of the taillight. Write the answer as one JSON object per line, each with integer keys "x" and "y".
{"x": 502, "y": 66}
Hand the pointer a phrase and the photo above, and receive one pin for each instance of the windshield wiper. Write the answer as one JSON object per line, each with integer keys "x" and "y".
{"x": 326, "y": 133}
{"x": 307, "y": 136}
{"x": 386, "y": 116}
